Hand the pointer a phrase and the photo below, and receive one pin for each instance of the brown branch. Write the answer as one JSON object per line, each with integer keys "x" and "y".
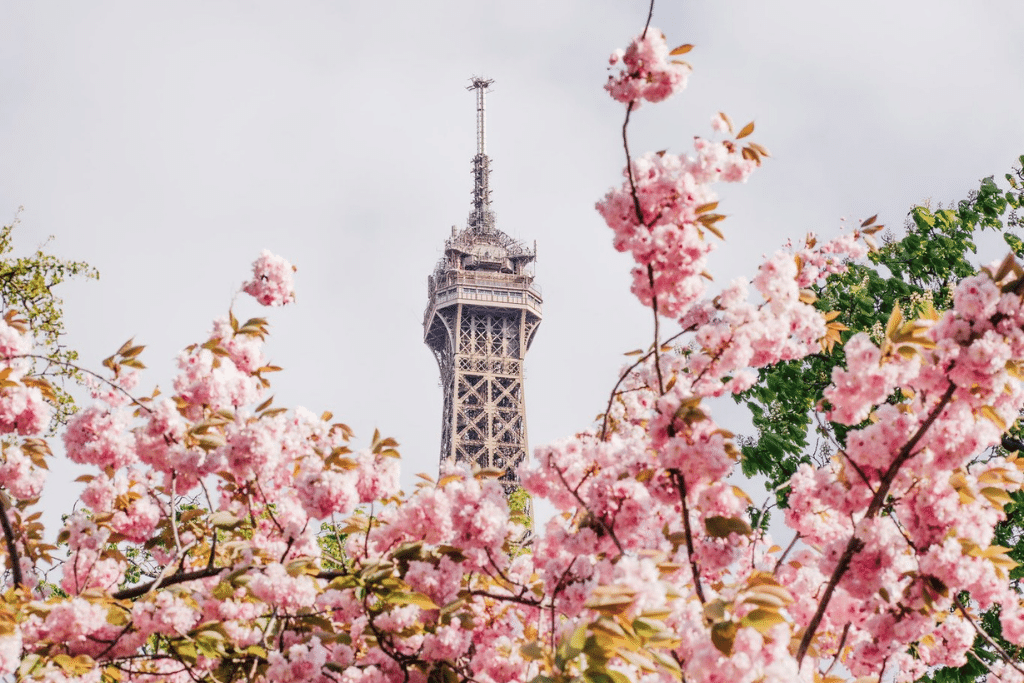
{"x": 853, "y": 547}
{"x": 501, "y": 574}
{"x": 559, "y": 586}
{"x": 877, "y": 501}
{"x": 907, "y": 451}
{"x": 680, "y": 482}
{"x": 139, "y": 591}
{"x": 12, "y": 547}
{"x": 615, "y": 390}
{"x": 640, "y": 219}
{"x": 508, "y": 598}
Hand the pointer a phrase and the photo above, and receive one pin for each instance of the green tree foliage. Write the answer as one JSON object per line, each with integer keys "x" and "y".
{"x": 913, "y": 271}
{"x": 27, "y": 285}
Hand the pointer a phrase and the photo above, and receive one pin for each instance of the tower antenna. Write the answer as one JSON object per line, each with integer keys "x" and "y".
{"x": 481, "y": 217}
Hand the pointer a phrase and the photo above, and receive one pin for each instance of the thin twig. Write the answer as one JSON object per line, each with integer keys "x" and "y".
{"x": 531, "y": 602}
{"x": 650, "y": 13}
{"x": 268, "y": 506}
{"x": 640, "y": 219}
{"x": 1002, "y": 653}
{"x": 501, "y": 574}
{"x": 907, "y": 451}
{"x": 213, "y": 542}
{"x": 369, "y": 528}
{"x": 903, "y": 532}
{"x": 629, "y": 166}
{"x": 859, "y": 471}
{"x": 78, "y": 368}
{"x": 604, "y": 525}
{"x": 839, "y": 649}
{"x": 785, "y": 552}
{"x": 626, "y": 373}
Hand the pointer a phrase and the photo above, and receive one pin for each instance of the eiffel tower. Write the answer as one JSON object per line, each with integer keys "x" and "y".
{"x": 482, "y": 315}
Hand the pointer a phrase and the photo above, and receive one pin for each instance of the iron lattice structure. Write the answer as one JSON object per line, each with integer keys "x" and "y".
{"x": 482, "y": 315}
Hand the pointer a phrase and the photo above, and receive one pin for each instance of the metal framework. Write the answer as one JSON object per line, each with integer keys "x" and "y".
{"x": 482, "y": 315}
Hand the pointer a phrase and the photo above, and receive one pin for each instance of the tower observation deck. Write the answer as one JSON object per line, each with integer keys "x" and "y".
{"x": 482, "y": 314}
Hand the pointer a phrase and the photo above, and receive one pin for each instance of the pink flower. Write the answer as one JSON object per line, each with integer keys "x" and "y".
{"x": 10, "y": 652}
{"x": 276, "y": 587}
{"x": 19, "y": 475}
{"x": 23, "y": 410}
{"x": 99, "y": 436}
{"x": 271, "y": 282}
{"x": 73, "y": 620}
{"x": 165, "y": 613}
{"x": 12, "y": 342}
{"x": 976, "y": 297}
{"x": 647, "y": 71}
{"x": 303, "y": 663}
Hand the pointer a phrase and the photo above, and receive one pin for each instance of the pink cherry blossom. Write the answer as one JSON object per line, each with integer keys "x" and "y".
{"x": 648, "y": 72}
{"x": 271, "y": 282}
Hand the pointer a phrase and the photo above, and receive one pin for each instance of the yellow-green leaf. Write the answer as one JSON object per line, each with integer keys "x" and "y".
{"x": 419, "y": 599}
{"x": 762, "y": 619}
{"x": 723, "y": 634}
{"x": 990, "y": 413}
{"x": 721, "y": 527}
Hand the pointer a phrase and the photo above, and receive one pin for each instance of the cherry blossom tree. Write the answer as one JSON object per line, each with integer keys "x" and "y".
{"x": 649, "y": 570}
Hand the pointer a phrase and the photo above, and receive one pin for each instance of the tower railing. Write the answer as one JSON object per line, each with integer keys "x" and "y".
{"x": 509, "y": 290}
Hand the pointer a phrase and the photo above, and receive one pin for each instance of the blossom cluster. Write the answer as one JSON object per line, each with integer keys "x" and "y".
{"x": 271, "y": 282}
{"x": 647, "y": 72}
{"x": 663, "y": 216}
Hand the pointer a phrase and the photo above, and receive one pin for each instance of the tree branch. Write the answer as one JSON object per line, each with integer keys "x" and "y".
{"x": 680, "y": 482}
{"x": 12, "y": 547}
{"x": 650, "y": 13}
{"x": 877, "y": 501}
{"x": 77, "y": 368}
{"x": 139, "y": 591}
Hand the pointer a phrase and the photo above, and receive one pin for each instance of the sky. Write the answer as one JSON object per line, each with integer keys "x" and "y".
{"x": 167, "y": 144}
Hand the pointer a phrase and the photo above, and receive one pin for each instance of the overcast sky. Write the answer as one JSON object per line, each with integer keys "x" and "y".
{"x": 168, "y": 143}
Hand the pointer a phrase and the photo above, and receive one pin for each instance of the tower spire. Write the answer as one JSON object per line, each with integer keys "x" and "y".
{"x": 481, "y": 217}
